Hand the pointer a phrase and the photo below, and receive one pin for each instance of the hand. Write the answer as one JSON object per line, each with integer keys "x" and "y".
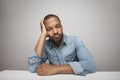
{"x": 43, "y": 29}
{"x": 46, "y": 69}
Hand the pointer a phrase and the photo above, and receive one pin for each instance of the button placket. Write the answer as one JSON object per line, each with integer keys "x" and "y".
{"x": 60, "y": 56}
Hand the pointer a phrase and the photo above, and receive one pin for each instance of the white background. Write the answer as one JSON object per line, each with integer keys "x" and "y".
{"x": 96, "y": 22}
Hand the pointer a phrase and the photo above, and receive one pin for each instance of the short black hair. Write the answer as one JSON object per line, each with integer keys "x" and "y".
{"x": 51, "y": 15}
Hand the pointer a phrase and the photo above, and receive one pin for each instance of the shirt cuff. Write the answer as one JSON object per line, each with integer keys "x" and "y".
{"x": 33, "y": 58}
{"x": 34, "y": 61}
{"x": 76, "y": 67}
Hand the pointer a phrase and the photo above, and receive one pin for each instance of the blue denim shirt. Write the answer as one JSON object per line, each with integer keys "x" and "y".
{"x": 72, "y": 51}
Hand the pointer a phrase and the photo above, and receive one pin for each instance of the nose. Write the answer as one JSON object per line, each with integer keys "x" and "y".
{"x": 55, "y": 31}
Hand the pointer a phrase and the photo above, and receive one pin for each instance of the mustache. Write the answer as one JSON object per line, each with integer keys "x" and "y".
{"x": 56, "y": 33}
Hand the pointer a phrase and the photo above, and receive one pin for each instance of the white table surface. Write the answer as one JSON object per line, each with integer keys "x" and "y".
{"x": 26, "y": 75}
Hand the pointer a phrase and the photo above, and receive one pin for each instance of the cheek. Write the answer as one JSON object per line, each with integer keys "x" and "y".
{"x": 60, "y": 30}
{"x": 50, "y": 33}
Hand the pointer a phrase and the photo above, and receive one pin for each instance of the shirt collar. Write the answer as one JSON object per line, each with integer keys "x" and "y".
{"x": 63, "y": 42}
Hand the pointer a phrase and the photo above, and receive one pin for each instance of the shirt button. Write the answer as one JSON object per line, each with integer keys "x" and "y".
{"x": 33, "y": 60}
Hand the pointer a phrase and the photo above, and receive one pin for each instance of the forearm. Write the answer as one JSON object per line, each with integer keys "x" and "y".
{"x": 64, "y": 69}
{"x": 40, "y": 45}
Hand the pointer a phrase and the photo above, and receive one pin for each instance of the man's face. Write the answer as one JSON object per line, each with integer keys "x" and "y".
{"x": 54, "y": 29}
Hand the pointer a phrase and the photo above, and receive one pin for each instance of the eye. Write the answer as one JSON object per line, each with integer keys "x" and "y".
{"x": 48, "y": 29}
{"x": 58, "y": 26}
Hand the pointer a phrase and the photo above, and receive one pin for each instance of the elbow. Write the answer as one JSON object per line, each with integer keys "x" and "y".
{"x": 32, "y": 70}
{"x": 93, "y": 68}
{"x": 90, "y": 67}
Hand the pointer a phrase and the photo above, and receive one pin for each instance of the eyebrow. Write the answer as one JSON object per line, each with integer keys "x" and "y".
{"x": 58, "y": 24}
{"x": 55, "y": 25}
{"x": 48, "y": 27}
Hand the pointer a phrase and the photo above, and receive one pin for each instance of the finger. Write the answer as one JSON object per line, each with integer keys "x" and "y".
{"x": 41, "y": 22}
{"x": 39, "y": 70}
{"x": 40, "y": 73}
{"x": 39, "y": 67}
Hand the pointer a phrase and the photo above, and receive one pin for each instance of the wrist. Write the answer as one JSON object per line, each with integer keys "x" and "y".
{"x": 58, "y": 69}
{"x": 43, "y": 35}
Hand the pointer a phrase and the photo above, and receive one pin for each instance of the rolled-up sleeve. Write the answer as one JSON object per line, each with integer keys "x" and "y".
{"x": 86, "y": 63}
{"x": 34, "y": 61}
{"x": 76, "y": 67}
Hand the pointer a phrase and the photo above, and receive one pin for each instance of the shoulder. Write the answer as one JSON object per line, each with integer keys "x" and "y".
{"x": 73, "y": 39}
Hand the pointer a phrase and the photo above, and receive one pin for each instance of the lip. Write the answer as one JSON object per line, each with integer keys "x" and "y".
{"x": 56, "y": 36}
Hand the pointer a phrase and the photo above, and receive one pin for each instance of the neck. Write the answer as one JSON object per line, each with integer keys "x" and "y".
{"x": 57, "y": 43}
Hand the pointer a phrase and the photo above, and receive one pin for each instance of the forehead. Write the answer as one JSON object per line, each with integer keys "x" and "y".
{"x": 51, "y": 21}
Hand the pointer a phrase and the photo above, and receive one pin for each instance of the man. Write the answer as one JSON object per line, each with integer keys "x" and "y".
{"x": 66, "y": 54}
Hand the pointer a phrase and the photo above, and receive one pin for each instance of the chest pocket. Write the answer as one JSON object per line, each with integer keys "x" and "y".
{"x": 53, "y": 59}
{"x": 71, "y": 58}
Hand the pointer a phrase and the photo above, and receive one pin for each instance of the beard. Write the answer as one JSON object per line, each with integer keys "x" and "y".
{"x": 56, "y": 38}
